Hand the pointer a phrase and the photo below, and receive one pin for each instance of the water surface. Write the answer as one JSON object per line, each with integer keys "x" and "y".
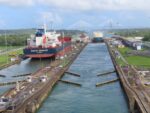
{"x": 25, "y": 67}
{"x": 88, "y": 99}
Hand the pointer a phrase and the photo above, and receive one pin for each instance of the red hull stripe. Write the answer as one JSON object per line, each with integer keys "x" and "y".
{"x": 40, "y": 55}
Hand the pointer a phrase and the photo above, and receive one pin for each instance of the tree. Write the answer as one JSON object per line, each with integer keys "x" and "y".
{"x": 146, "y": 37}
{"x": 14, "y": 40}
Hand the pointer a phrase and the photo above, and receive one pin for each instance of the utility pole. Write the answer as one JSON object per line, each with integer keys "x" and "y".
{"x": 6, "y": 43}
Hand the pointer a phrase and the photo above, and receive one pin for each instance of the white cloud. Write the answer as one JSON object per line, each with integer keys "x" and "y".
{"x": 17, "y": 2}
{"x": 109, "y": 23}
{"x": 98, "y": 4}
{"x": 48, "y": 18}
{"x": 128, "y": 16}
{"x": 84, "y": 5}
{"x": 81, "y": 24}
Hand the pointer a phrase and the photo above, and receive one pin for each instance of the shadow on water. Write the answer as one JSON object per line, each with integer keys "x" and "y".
{"x": 67, "y": 98}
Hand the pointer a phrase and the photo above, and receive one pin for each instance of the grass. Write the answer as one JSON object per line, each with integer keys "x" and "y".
{"x": 120, "y": 62}
{"x": 4, "y": 59}
{"x": 16, "y": 52}
{"x": 139, "y": 61}
{"x": 124, "y": 50}
{"x": 65, "y": 62}
{"x": 9, "y": 47}
{"x": 3, "y": 49}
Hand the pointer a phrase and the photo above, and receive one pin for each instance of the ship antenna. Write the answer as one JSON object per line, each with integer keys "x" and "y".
{"x": 45, "y": 27}
{"x": 51, "y": 23}
{"x": 45, "y": 24}
{"x": 63, "y": 43}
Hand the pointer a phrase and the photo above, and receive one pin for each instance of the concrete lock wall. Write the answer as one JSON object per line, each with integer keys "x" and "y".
{"x": 132, "y": 101}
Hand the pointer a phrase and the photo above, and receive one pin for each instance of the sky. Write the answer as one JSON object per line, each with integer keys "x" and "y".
{"x": 74, "y": 14}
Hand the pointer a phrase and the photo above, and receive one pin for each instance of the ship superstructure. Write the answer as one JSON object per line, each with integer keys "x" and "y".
{"x": 97, "y": 37}
{"x": 46, "y": 44}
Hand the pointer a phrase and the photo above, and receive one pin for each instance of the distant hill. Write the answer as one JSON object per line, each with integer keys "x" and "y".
{"x": 19, "y": 37}
{"x": 33, "y": 30}
{"x": 133, "y": 32}
{"x": 17, "y": 31}
{"x": 70, "y": 32}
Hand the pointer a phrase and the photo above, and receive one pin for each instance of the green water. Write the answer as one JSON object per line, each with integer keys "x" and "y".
{"x": 3, "y": 89}
{"x": 25, "y": 67}
{"x": 67, "y": 98}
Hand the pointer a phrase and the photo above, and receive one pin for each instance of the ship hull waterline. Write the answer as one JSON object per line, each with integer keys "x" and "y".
{"x": 46, "y": 52}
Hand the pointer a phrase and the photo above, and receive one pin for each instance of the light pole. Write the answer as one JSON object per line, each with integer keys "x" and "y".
{"x": 6, "y": 43}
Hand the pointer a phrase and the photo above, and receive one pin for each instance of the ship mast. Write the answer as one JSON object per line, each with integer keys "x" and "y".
{"x": 51, "y": 25}
{"x": 45, "y": 27}
{"x": 63, "y": 44}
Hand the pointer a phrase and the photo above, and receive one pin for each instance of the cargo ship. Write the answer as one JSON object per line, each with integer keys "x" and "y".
{"x": 97, "y": 37}
{"x": 47, "y": 44}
